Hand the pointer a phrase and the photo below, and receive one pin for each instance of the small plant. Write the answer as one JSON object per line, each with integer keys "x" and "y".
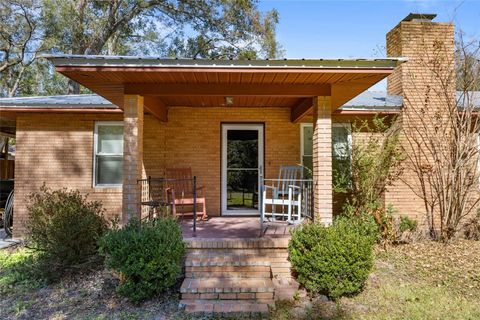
{"x": 63, "y": 228}
{"x": 335, "y": 260}
{"x": 147, "y": 255}
{"x": 407, "y": 224}
{"x": 472, "y": 228}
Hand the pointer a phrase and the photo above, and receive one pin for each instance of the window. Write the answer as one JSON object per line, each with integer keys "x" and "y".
{"x": 108, "y": 154}
{"x": 307, "y": 148}
{"x": 341, "y": 145}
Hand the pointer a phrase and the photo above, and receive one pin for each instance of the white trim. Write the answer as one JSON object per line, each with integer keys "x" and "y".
{"x": 302, "y": 148}
{"x": 95, "y": 142}
{"x": 225, "y": 127}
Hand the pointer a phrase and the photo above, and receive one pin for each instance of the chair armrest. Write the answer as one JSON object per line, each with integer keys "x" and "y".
{"x": 269, "y": 187}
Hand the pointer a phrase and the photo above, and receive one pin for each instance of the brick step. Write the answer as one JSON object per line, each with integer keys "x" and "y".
{"x": 225, "y": 260}
{"x": 226, "y": 308}
{"x": 255, "y": 271}
{"x": 271, "y": 253}
{"x": 228, "y": 285}
{"x": 234, "y": 243}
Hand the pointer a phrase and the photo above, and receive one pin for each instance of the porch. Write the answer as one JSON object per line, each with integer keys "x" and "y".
{"x": 176, "y": 111}
{"x": 235, "y": 228}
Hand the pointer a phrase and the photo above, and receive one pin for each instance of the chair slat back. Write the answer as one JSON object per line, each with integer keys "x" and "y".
{"x": 287, "y": 176}
{"x": 180, "y": 179}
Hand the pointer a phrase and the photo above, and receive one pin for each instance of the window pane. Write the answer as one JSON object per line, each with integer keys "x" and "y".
{"x": 110, "y": 139}
{"x": 308, "y": 167}
{"x": 109, "y": 170}
{"x": 307, "y": 140}
{"x": 242, "y": 149}
{"x": 242, "y": 189}
{"x": 341, "y": 148}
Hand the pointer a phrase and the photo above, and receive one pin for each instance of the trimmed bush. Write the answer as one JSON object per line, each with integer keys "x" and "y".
{"x": 335, "y": 260}
{"x": 147, "y": 255}
{"x": 63, "y": 227}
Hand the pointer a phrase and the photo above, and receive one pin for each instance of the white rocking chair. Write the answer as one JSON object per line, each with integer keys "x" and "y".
{"x": 284, "y": 193}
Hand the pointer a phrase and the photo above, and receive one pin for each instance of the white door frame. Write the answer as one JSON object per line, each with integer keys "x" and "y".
{"x": 240, "y": 126}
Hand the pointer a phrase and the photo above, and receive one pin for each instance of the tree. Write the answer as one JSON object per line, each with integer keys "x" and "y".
{"x": 21, "y": 39}
{"x": 467, "y": 67}
{"x": 367, "y": 170}
{"x": 441, "y": 134}
{"x": 187, "y": 28}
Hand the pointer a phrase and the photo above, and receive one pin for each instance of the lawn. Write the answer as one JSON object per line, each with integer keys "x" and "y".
{"x": 425, "y": 280}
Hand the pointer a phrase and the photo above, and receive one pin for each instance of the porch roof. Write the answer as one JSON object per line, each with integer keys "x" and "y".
{"x": 204, "y": 83}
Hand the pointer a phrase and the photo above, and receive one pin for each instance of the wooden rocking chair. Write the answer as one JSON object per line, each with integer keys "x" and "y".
{"x": 179, "y": 191}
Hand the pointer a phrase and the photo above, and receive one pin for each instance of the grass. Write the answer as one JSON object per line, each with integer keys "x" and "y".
{"x": 426, "y": 280}
{"x": 16, "y": 272}
{"x": 238, "y": 199}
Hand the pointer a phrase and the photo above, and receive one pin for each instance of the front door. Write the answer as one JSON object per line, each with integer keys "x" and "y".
{"x": 242, "y": 163}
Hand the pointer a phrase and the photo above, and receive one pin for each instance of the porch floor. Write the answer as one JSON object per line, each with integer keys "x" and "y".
{"x": 235, "y": 227}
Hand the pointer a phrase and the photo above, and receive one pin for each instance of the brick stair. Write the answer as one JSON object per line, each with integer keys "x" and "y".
{"x": 227, "y": 277}
{"x": 226, "y": 308}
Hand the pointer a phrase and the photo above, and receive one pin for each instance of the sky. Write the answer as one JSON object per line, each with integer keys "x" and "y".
{"x": 357, "y": 29}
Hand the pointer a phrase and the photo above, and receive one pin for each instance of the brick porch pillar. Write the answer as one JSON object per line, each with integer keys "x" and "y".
{"x": 322, "y": 160}
{"x": 132, "y": 156}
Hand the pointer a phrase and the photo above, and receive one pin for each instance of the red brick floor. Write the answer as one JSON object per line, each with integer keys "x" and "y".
{"x": 235, "y": 227}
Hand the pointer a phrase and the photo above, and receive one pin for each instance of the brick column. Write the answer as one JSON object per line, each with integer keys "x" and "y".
{"x": 322, "y": 160}
{"x": 132, "y": 156}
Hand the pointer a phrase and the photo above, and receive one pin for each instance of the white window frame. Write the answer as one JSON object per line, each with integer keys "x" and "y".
{"x": 347, "y": 125}
{"x": 302, "y": 147}
{"x": 95, "y": 145}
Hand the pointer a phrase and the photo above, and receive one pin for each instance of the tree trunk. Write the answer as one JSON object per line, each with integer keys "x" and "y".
{"x": 73, "y": 87}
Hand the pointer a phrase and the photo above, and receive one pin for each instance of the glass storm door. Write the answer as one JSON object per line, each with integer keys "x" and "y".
{"x": 242, "y": 163}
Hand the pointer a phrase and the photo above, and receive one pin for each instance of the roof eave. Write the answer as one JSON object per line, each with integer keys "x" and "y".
{"x": 149, "y": 62}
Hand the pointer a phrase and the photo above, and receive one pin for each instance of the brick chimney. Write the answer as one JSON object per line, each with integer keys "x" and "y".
{"x": 429, "y": 47}
{"x": 422, "y": 41}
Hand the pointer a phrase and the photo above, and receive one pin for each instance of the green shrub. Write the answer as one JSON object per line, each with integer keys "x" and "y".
{"x": 63, "y": 227}
{"x": 147, "y": 255}
{"x": 407, "y": 224}
{"x": 335, "y": 260}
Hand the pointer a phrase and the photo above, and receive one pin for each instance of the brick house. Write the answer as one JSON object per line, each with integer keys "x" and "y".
{"x": 177, "y": 113}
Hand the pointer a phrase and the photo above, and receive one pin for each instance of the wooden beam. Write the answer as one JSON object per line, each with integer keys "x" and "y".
{"x": 156, "y": 107}
{"x": 271, "y": 90}
{"x": 301, "y": 110}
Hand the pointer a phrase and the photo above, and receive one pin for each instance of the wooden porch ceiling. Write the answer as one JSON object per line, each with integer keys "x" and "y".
{"x": 208, "y": 87}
